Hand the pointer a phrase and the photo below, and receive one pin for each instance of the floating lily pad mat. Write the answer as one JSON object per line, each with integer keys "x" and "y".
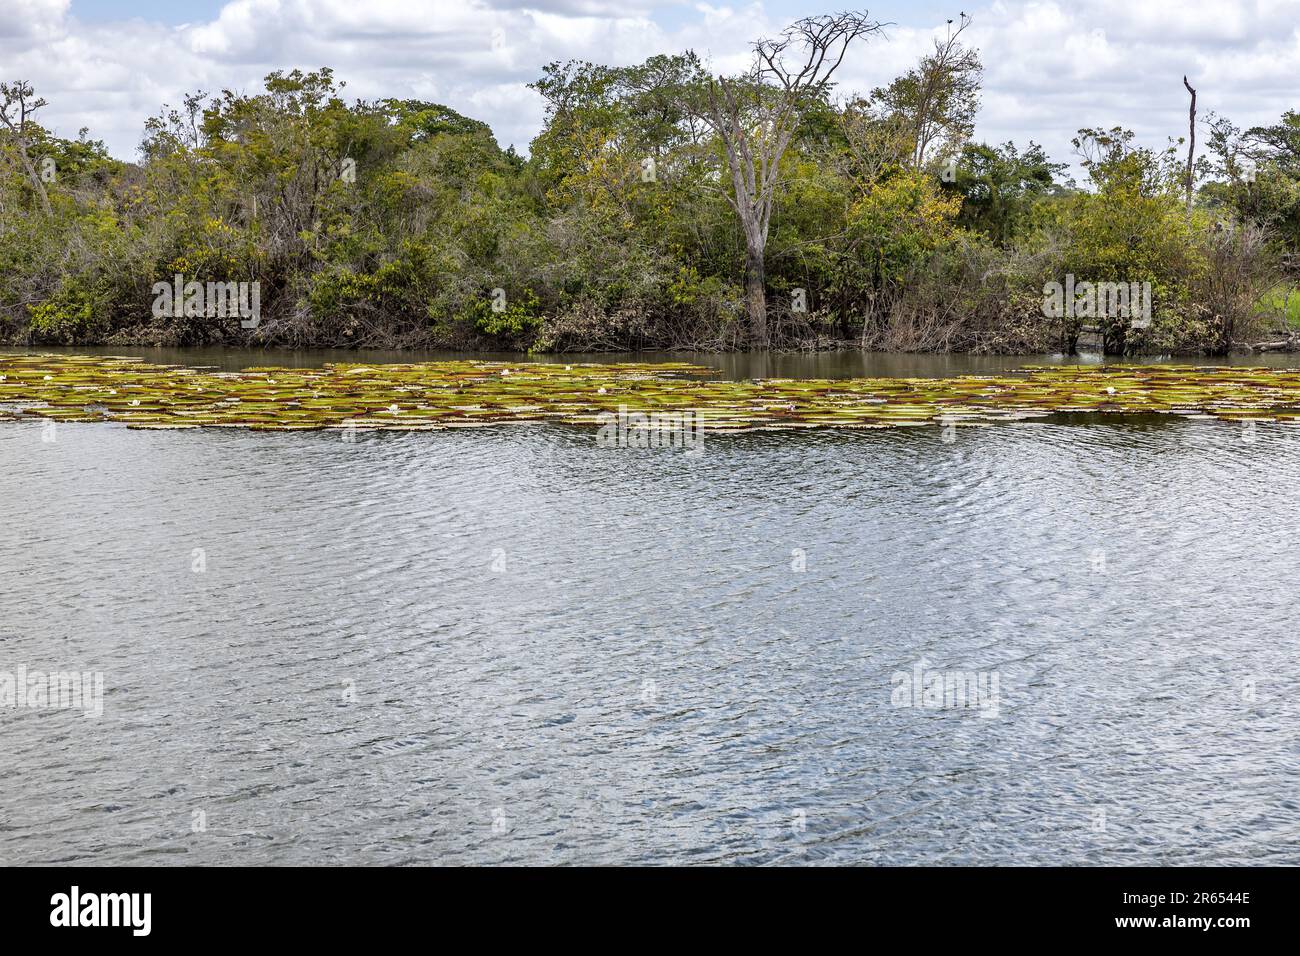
{"x": 471, "y": 393}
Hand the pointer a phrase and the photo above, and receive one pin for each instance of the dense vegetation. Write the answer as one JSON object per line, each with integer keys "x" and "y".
{"x": 659, "y": 207}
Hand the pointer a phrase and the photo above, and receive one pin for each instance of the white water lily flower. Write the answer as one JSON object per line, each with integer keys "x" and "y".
{"x": 393, "y": 409}
{"x": 135, "y": 401}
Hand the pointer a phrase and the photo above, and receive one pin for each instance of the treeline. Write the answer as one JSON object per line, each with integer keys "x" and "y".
{"x": 660, "y": 207}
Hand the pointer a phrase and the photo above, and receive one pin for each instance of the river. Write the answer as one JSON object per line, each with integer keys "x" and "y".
{"x": 509, "y": 645}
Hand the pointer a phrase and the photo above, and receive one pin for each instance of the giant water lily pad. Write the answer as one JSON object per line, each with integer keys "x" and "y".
{"x": 421, "y": 396}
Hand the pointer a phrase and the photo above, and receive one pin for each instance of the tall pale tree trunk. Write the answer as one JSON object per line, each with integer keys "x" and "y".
{"x": 755, "y": 116}
{"x": 756, "y": 297}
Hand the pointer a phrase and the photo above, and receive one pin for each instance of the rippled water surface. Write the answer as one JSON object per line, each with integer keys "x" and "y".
{"x": 510, "y": 645}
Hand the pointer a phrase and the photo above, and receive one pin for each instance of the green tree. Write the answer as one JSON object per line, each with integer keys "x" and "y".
{"x": 999, "y": 187}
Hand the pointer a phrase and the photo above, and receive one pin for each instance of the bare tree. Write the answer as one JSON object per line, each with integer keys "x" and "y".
{"x": 1191, "y": 145}
{"x": 18, "y": 103}
{"x": 937, "y": 101}
{"x": 755, "y": 117}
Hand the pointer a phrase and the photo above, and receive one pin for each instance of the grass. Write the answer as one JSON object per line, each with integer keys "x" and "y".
{"x": 1283, "y": 300}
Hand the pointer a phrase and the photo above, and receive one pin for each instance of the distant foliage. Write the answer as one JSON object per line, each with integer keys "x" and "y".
{"x": 402, "y": 223}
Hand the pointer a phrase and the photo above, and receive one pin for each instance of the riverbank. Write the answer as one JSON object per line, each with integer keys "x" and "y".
{"x": 1277, "y": 331}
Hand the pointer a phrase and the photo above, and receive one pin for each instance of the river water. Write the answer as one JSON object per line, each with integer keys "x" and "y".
{"x": 511, "y": 645}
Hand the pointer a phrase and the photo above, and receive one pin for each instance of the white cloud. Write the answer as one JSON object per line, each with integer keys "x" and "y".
{"x": 32, "y": 20}
{"x": 1050, "y": 67}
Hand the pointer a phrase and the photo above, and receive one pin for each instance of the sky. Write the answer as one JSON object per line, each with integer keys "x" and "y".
{"x": 1050, "y": 67}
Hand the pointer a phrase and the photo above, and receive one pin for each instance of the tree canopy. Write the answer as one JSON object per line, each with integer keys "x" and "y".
{"x": 660, "y": 206}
